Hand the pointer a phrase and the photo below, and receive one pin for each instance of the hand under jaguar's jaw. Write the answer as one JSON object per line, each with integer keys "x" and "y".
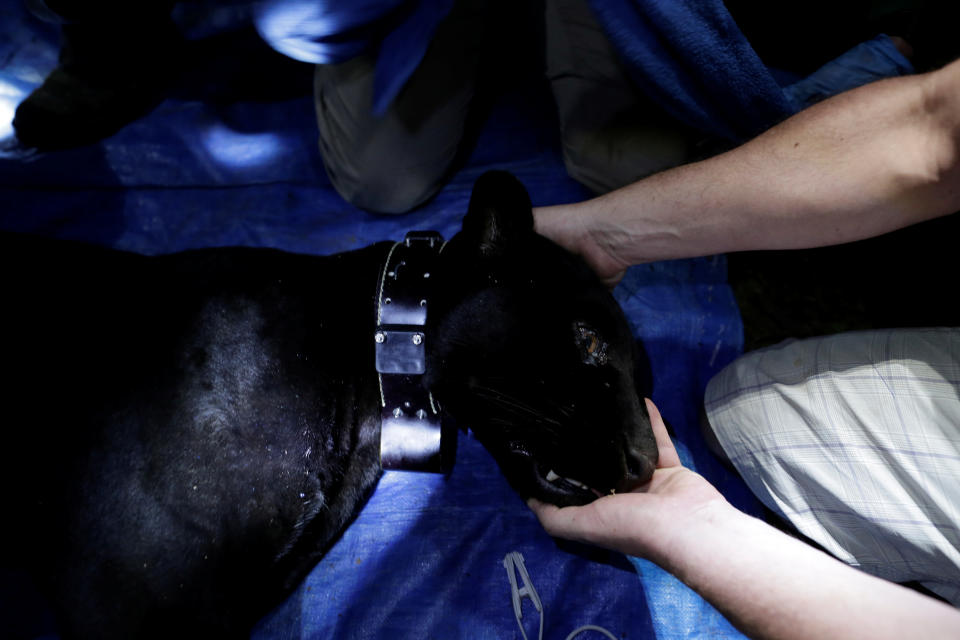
{"x": 562, "y": 491}
{"x": 557, "y": 480}
{"x": 536, "y": 474}
{"x": 550, "y": 486}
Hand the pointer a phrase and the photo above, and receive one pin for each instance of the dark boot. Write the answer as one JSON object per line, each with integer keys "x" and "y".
{"x": 111, "y": 72}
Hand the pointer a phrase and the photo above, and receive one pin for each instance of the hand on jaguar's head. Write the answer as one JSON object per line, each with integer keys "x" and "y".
{"x": 633, "y": 523}
{"x": 567, "y": 226}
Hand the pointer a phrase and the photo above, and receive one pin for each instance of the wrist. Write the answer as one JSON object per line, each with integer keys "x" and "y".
{"x": 581, "y": 230}
{"x": 562, "y": 223}
{"x": 678, "y": 542}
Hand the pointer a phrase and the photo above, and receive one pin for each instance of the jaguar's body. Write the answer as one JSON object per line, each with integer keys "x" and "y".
{"x": 186, "y": 435}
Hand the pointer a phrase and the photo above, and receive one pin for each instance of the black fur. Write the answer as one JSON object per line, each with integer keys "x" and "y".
{"x": 186, "y": 435}
{"x": 506, "y": 360}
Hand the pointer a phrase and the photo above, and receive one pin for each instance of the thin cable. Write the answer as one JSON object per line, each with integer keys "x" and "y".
{"x": 540, "y": 636}
{"x": 590, "y": 627}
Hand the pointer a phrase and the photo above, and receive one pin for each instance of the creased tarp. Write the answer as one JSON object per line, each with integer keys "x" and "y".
{"x": 215, "y": 166}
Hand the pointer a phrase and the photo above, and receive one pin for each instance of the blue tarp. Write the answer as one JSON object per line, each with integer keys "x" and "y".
{"x": 230, "y": 158}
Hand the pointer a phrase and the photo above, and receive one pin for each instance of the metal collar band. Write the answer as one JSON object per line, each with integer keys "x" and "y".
{"x": 412, "y": 435}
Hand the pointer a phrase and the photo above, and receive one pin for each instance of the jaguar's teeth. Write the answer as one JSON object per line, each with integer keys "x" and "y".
{"x": 552, "y": 476}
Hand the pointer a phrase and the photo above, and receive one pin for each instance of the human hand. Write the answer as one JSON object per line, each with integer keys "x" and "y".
{"x": 640, "y": 523}
{"x": 566, "y": 225}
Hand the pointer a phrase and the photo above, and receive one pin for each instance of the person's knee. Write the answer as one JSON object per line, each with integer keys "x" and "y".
{"x": 385, "y": 191}
{"x": 382, "y": 164}
{"x": 608, "y": 158}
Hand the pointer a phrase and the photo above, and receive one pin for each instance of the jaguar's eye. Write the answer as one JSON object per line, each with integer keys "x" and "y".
{"x": 592, "y": 347}
{"x": 593, "y": 343}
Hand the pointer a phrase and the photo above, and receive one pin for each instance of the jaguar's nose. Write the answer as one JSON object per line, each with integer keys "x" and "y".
{"x": 639, "y": 470}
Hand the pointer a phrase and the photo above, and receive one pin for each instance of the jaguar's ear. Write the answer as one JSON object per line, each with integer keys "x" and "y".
{"x": 500, "y": 213}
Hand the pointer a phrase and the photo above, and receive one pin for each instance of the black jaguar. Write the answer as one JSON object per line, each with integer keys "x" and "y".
{"x": 186, "y": 435}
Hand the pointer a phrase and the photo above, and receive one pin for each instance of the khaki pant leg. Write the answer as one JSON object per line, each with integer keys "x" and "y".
{"x": 612, "y": 134}
{"x": 395, "y": 162}
{"x": 855, "y": 440}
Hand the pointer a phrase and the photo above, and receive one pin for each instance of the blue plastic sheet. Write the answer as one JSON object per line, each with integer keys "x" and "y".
{"x": 214, "y": 165}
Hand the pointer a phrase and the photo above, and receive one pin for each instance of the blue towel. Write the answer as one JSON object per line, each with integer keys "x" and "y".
{"x": 868, "y": 61}
{"x": 692, "y": 59}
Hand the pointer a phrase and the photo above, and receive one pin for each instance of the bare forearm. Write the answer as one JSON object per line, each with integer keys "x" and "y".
{"x": 772, "y": 586}
{"x": 863, "y": 163}
{"x": 764, "y": 581}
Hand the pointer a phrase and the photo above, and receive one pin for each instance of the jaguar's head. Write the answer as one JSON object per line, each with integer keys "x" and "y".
{"x": 530, "y": 351}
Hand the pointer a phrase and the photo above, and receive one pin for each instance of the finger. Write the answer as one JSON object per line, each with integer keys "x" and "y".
{"x": 536, "y": 506}
{"x": 545, "y": 512}
{"x": 668, "y": 453}
{"x": 612, "y": 281}
{"x": 561, "y": 523}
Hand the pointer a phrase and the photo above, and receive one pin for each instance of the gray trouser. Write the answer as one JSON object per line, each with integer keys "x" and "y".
{"x": 611, "y": 134}
{"x": 855, "y": 439}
